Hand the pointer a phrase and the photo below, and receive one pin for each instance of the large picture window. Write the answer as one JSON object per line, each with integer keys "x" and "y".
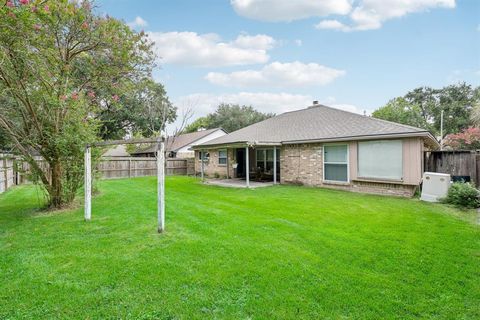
{"x": 222, "y": 156}
{"x": 380, "y": 159}
{"x": 335, "y": 163}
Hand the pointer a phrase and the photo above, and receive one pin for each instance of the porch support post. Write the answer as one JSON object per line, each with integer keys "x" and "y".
{"x": 228, "y": 164}
{"x": 202, "y": 155}
{"x": 88, "y": 183}
{"x": 274, "y": 165}
{"x": 247, "y": 168}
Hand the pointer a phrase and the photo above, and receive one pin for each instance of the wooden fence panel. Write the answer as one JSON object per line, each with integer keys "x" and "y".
{"x": 125, "y": 167}
{"x": 455, "y": 163}
{"x": 14, "y": 171}
{"x": 7, "y": 173}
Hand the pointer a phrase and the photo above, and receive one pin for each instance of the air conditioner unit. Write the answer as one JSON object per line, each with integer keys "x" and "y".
{"x": 435, "y": 186}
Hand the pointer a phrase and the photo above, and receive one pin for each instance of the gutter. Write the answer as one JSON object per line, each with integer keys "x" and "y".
{"x": 348, "y": 138}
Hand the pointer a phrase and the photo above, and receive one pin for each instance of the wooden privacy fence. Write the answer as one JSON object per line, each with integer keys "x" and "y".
{"x": 128, "y": 167}
{"x": 7, "y": 172}
{"x": 14, "y": 171}
{"x": 456, "y": 163}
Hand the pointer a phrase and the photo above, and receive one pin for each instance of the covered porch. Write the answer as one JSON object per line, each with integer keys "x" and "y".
{"x": 245, "y": 164}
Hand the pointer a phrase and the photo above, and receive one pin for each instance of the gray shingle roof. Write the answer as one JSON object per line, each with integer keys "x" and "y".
{"x": 315, "y": 123}
{"x": 176, "y": 143}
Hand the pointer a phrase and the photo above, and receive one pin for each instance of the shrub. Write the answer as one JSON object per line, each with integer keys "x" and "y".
{"x": 463, "y": 195}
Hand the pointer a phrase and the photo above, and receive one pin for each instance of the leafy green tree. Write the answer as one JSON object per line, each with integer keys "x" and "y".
{"x": 144, "y": 110}
{"x": 399, "y": 110}
{"x": 60, "y": 64}
{"x": 230, "y": 117}
{"x": 422, "y": 107}
{"x": 200, "y": 123}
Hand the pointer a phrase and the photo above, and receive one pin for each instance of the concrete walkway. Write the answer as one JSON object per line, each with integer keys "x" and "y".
{"x": 237, "y": 183}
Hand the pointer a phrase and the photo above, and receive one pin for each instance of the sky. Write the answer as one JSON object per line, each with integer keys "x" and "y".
{"x": 280, "y": 55}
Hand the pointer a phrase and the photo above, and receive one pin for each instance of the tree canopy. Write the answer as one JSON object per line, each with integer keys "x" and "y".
{"x": 230, "y": 117}
{"x": 69, "y": 75}
{"x": 422, "y": 108}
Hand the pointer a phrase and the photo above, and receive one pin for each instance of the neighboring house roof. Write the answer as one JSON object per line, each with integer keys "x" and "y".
{"x": 117, "y": 151}
{"x": 317, "y": 123}
{"x": 173, "y": 144}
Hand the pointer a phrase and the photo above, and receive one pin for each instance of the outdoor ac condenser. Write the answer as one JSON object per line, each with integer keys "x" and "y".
{"x": 435, "y": 186}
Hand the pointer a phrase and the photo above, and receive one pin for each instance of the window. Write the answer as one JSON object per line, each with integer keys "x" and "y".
{"x": 203, "y": 155}
{"x": 380, "y": 159}
{"x": 335, "y": 164}
{"x": 222, "y": 157}
{"x": 265, "y": 160}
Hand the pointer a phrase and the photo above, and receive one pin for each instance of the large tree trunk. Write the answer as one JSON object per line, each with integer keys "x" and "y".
{"x": 55, "y": 189}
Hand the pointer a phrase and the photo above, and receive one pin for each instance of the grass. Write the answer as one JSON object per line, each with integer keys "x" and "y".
{"x": 270, "y": 253}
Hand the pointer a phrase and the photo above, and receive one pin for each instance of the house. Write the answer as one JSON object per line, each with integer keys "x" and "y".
{"x": 180, "y": 146}
{"x": 116, "y": 151}
{"x": 322, "y": 146}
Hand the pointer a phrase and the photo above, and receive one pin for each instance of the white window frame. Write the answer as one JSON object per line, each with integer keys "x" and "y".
{"x": 265, "y": 157}
{"x": 347, "y": 162}
{"x": 226, "y": 157}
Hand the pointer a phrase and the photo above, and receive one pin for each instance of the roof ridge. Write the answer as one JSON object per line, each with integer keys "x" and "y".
{"x": 374, "y": 119}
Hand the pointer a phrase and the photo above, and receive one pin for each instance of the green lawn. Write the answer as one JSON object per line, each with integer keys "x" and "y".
{"x": 270, "y": 253}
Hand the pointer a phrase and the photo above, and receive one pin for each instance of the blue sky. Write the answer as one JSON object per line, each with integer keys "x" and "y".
{"x": 279, "y": 55}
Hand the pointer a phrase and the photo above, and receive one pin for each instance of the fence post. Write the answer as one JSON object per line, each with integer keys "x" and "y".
{"x": 5, "y": 172}
{"x": 129, "y": 168}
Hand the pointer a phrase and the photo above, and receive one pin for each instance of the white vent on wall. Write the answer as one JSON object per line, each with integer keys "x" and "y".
{"x": 435, "y": 186}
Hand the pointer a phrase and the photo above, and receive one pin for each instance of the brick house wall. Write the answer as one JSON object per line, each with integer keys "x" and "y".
{"x": 212, "y": 167}
{"x": 302, "y": 164}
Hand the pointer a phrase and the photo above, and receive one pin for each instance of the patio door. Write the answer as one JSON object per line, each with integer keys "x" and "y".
{"x": 240, "y": 159}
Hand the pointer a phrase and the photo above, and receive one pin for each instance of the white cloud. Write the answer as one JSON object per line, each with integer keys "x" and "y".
{"x": 278, "y": 74}
{"x": 363, "y": 14}
{"x": 332, "y": 25}
{"x": 138, "y": 22}
{"x": 371, "y": 14}
{"x": 207, "y": 50}
{"x": 289, "y": 10}
{"x": 298, "y": 42}
{"x": 259, "y": 42}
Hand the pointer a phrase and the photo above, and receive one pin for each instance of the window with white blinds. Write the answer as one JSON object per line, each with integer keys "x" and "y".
{"x": 381, "y": 159}
{"x": 335, "y": 164}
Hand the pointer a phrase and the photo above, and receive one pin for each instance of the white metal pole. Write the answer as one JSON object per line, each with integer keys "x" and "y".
{"x": 202, "y": 155}
{"x": 441, "y": 130}
{"x": 247, "y": 168}
{"x": 161, "y": 187}
{"x": 88, "y": 184}
{"x": 274, "y": 165}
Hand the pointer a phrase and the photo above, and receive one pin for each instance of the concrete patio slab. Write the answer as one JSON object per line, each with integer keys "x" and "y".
{"x": 237, "y": 183}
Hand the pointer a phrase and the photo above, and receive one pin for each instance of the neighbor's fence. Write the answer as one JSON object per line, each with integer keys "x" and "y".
{"x": 14, "y": 171}
{"x": 128, "y": 167}
{"x": 456, "y": 163}
{"x": 7, "y": 172}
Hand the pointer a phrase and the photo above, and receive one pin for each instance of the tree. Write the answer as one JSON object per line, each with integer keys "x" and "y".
{"x": 468, "y": 139}
{"x": 399, "y": 110}
{"x": 144, "y": 110}
{"x": 422, "y": 107}
{"x": 230, "y": 117}
{"x": 60, "y": 64}
{"x": 198, "y": 124}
